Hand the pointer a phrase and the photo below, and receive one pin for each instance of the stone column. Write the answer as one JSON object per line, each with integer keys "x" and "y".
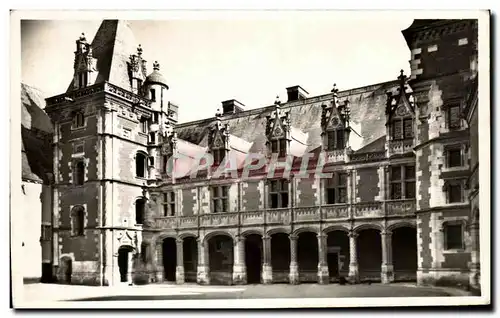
{"x": 267, "y": 270}
{"x": 202, "y": 270}
{"x": 323, "y": 274}
{"x": 239, "y": 268}
{"x": 130, "y": 267}
{"x": 475, "y": 273}
{"x": 387, "y": 270}
{"x": 159, "y": 262}
{"x": 179, "y": 269}
{"x": 353, "y": 256}
{"x": 294, "y": 268}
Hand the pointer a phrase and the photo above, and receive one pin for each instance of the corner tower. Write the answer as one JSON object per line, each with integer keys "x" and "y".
{"x": 104, "y": 163}
{"x": 441, "y": 66}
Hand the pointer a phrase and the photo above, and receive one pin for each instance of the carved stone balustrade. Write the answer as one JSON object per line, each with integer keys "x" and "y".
{"x": 368, "y": 210}
{"x": 306, "y": 214}
{"x": 400, "y": 207}
{"x": 335, "y": 211}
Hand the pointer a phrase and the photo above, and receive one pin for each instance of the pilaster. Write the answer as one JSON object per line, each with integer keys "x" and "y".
{"x": 294, "y": 268}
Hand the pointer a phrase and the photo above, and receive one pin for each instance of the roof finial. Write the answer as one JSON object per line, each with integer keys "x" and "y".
{"x": 156, "y": 66}
{"x": 82, "y": 37}
{"x": 402, "y": 76}
{"x": 277, "y": 101}
{"x": 139, "y": 50}
{"x": 218, "y": 114}
{"x": 335, "y": 90}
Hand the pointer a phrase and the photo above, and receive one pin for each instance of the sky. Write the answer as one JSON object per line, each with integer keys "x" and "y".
{"x": 207, "y": 61}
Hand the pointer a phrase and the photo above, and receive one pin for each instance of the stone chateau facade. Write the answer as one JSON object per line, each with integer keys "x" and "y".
{"x": 132, "y": 204}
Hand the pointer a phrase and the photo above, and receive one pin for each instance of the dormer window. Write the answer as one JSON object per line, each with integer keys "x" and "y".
{"x": 82, "y": 79}
{"x": 219, "y": 155}
{"x": 402, "y": 128}
{"x": 453, "y": 117}
{"x": 279, "y": 147}
{"x": 335, "y": 140}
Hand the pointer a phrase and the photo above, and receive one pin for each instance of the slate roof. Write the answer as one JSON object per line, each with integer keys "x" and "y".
{"x": 36, "y": 136}
{"x": 112, "y": 46}
{"x": 367, "y": 119}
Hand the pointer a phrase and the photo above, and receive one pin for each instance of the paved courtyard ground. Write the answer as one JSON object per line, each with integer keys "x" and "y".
{"x": 162, "y": 292}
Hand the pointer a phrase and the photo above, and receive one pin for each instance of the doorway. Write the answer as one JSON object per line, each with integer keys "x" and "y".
{"x": 123, "y": 260}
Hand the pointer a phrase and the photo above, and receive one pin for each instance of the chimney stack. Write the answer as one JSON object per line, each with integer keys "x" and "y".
{"x": 232, "y": 106}
{"x": 296, "y": 93}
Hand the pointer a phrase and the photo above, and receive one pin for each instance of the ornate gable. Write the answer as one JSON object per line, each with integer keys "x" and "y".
{"x": 278, "y": 123}
{"x": 218, "y": 138}
{"x": 401, "y": 104}
{"x": 85, "y": 65}
{"x": 335, "y": 116}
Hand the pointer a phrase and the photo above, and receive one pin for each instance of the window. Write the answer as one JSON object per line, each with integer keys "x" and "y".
{"x": 454, "y": 193}
{"x": 278, "y": 194}
{"x": 453, "y": 236}
{"x": 139, "y": 211}
{"x": 219, "y": 155}
{"x": 402, "y": 129}
{"x": 279, "y": 146}
{"x": 82, "y": 79}
{"x": 454, "y": 120}
{"x": 140, "y": 165}
{"x": 153, "y": 94}
{"x": 144, "y": 125}
{"x": 77, "y": 220}
{"x": 336, "y": 189}
{"x": 152, "y": 138}
{"x": 78, "y": 120}
{"x": 156, "y": 118}
{"x": 126, "y": 132}
{"x": 169, "y": 204}
{"x": 402, "y": 182}
{"x": 219, "y": 198}
{"x": 335, "y": 139}
{"x": 454, "y": 158}
{"x": 46, "y": 233}
{"x": 79, "y": 173}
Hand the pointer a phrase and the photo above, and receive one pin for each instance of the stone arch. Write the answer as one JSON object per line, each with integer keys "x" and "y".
{"x": 252, "y": 231}
{"x": 278, "y": 230}
{"x": 214, "y": 233}
{"x": 66, "y": 267}
{"x": 367, "y": 226}
{"x": 141, "y": 163}
{"x": 160, "y": 237}
{"x": 188, "y": 234}
{"x": 305, "y": 229}
{"x": 125, "y": 254}
{"x": 400, "y": 224}
{"x": 336, "y": 227}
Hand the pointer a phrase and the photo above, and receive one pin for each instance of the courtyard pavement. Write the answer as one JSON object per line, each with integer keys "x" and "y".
{"x": 88, "y": 296}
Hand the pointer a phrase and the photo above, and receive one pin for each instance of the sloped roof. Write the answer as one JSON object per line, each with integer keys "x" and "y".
{"x": 112, "y": 46}
{"x": 367, "y": 117}
{"x": 36, "y": 136}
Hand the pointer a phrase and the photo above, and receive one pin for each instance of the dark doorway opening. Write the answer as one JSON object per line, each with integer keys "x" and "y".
{"x": 66, "y": 269}
{"x": 337, "y": 254}
{"x": 369, "y": 254}
{"x": 404, "y": 253}
{"x": 190, "y": 251}
{"x": 123, "y": 262}
{"x": 280, "y": 257}
{"x": 253, "y": 258}
{"x": 307, "y": 257}
{"x": 169, "y": 259}
{"x": 220, "y": 255}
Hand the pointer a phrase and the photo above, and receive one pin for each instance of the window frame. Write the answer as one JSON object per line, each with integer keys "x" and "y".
{"x": 218, "y": 154}
{"x": 282, "y": 188}
{"x": 336, "y": 185}
{"x": 333, "y": 142}
{"x": 449, "y": 124}
{"x": 79, "y": 175}
{"x": 448, "y": 157}
{"x": 400, "y": 123}
{"x": 279, "y": 146}
{"x": 142, "y": 216}
{"x": 460, "y": 187}
{"x": 78, "y": 220}
{"x": 219, "y": 194}
{"x": 169, "y": 209}
{"x": 78, "y": 120}
{"x": 144, "y": 164}
{"x": 446, "y": 231}
{"x": 402, "y": 182}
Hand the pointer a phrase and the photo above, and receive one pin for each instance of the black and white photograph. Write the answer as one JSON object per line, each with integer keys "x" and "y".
{"x": 250, "y": 159}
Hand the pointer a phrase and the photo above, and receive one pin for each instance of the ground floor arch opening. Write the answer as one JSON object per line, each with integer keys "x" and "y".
{"x": 125, "y": 263}
{"x": 66, "y": 269}
{"x": 369, "y": 252}
{"x": 220, "y": 259}
{"x": 337, "y": 254}
{"x": 253, "y": 258}
{"x": 190, "y": 253}
{"x": 280, "y": 257}
{"x": 169, "y": 249}
{"x": 307, "y": 257}
{"x": 404, "y": 253}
